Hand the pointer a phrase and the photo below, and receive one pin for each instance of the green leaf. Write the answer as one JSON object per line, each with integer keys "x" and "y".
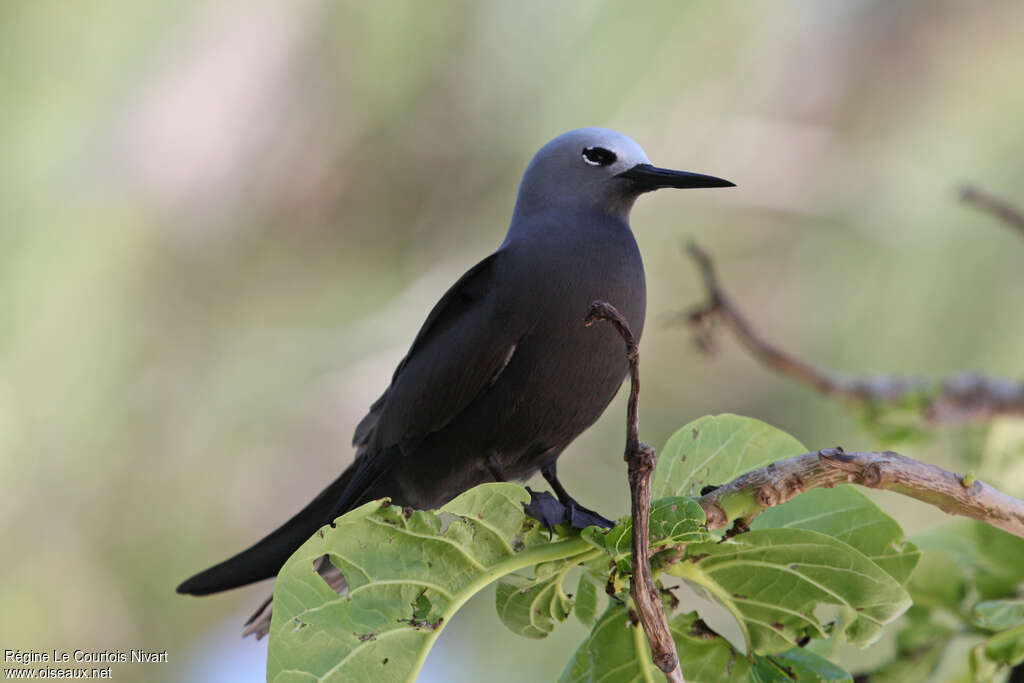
{"x": 893, "y": 425}
{"x": 586, "y": 601}
{"x": 674, "y": 521}
{"x": 773, "y": 580}
{"x": 991, "y": 559}
{"x": 849, "y": 516}
{"x": 925, "y": 637}
{"x": 1002, "y": 460}
{"x": 617, "y": 651}
{"x": 1003, "y": 557}
{"x": 915, "y": 668}
{"x": 937, "y": 582}
{"x": 798, "y": 665}
{"x": 408, "y": 572}
{"x": 922, "y": 630}
{"x": 612, "y": 652}
{"x": 704, "y": 655}
{"x": 997, "y": 615}
{"x": 1007, "y": 647}
{"x": 715, "y": 450}
{"x": 1001, "y": 650}
{"x": 532, "y": 607}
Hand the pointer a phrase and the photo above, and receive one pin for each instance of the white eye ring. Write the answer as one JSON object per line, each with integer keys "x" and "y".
{"x": 598, "y": 156}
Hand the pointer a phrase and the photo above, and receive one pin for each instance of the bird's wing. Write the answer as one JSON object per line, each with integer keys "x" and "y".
{"x": 459, "y": 351}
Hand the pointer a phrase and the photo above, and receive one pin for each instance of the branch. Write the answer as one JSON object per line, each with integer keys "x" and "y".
{"x": 967, "y": 396}
{"x": 747, "y": 496}
{"x": 641, "y": 460}
{"x": 1000, "y": 208}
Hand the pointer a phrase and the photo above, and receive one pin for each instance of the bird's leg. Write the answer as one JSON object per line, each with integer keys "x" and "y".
{"x": 579, "y": 517}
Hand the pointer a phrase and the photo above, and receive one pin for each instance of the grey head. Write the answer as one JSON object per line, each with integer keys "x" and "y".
{"x": 596, "y": 169}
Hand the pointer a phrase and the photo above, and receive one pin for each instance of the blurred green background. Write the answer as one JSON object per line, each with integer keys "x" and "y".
{"x": 222, "y": 223}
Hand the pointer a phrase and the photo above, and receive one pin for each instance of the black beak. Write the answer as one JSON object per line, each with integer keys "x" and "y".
{"x": 649, "y": 177}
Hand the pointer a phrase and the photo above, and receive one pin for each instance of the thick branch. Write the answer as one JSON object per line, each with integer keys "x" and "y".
{"x": 641, "y": 460}
{"x": 747, "y": 496}
{"x": 1000, "y": 208}
{"x": 963, "y": 397}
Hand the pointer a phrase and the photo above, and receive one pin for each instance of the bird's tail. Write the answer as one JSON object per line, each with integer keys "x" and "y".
{"x": 265, "y": 559}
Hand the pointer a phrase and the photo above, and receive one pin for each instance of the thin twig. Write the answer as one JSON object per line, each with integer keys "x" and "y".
{"x": 641, "y": 460}
{"x": 1000, "y": 208}
{"x": 967, "y": 396}
{"x": 749, "y": 495}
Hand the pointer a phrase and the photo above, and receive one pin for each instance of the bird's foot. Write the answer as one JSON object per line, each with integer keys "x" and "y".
{"x": 581, "y": 517}
{"x": 551, "y": 512}
{"x": 545, "y": 508}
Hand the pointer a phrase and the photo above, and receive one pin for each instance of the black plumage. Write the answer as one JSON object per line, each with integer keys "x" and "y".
{"x": 503, "y": 375}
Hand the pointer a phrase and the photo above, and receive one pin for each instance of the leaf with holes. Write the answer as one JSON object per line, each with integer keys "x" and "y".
{"x": 716, "y": 449}
{"x": 408, "y": 572}
{"x": 773, "y": 581}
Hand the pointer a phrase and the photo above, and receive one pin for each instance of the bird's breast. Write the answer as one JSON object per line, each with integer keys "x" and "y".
{"x": 557, "y": 276}
{"x": 563, "y": 374}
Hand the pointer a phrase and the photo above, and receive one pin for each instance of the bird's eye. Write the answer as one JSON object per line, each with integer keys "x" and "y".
{"x": 598, "y": 156}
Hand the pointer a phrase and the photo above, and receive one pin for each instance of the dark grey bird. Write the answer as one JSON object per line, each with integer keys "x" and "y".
{"x": 503, "y": 375}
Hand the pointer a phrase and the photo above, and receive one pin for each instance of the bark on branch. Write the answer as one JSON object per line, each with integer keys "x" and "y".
{"x": 963, "y": 397}
{"x": 641, "y": 460}
{"x": 749, "y": 495}
{"x": 1000, "y": 208}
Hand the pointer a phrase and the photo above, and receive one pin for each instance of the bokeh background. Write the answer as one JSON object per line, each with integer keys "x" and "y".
{"x": 221, "y": 224}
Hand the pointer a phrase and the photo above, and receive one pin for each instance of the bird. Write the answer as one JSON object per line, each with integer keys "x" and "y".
{"x": 503, "y": 375}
